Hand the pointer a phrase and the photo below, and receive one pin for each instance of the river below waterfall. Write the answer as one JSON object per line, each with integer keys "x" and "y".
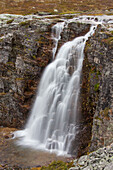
{"x": 11, "y": 154}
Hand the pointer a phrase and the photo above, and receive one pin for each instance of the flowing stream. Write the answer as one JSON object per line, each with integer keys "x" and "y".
{"x": 52, "y": 123}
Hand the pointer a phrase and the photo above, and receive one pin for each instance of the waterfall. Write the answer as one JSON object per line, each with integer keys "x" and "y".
{"x": 52, "y": 123}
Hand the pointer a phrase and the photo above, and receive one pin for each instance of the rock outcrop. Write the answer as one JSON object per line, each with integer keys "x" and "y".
{"x": 99, "y": 102}
{"x": 25, "y": 50}
{"x": 100, "y": 159}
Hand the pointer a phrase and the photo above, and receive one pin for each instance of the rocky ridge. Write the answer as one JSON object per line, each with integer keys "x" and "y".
{"x": 102, "y": 159}
{"x": 99, "y": 56}
{"x": 26, "y": 48}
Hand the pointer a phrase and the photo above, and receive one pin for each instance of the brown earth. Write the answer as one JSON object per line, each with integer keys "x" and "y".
{"x": 63, "y": 6}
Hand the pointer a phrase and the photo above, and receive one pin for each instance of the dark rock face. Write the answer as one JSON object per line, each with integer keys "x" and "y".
{"x": 73, "y": 30}
{"x": 25, "y": 50}
{"x": 96, "y": 92}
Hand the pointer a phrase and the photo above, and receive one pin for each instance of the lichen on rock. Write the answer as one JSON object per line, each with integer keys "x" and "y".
{"x": 98, "y": 54}
{"x": 20, "y": 71}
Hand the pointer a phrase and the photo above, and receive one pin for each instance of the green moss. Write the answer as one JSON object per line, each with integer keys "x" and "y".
{"x": 98, "y": 118}
{"x": 101, "y": 53}
{"x": 9, "y": 62}
{"x": 110, "y": 14}
{"x": 87, "y": 47}
{"x": 10, "y": 21}
{"x": 34, "y": 57}
{"x": 24, "y": 23}
{"x": 111, "y": 32}
{"x": 96, "y": 87}
{"x": 108, "y": 41}
{"x": 1, "y": 39}
{"x": 68, "y": 12}
{"x": 106, "y": 111}
{"x": 19, "y": 79}
{"x": 41, "y": 39}
{"x": 58, "y": 165}
{"x": 94, "y": 73}
{"x": 98, "y": 72}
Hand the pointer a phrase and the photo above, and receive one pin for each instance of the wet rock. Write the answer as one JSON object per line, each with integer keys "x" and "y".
{"x": 101, "y": 52}
{"x": 73, "y": 30}
{"x": 25, "y": 50}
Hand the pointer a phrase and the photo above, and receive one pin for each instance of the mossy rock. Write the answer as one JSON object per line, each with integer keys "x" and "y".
{"x": 10, "y": 21}
{"x": 58, "y": 165}
{"x": 105, "y": 112}
{"x": 24, "y": 23}
{"x": 2, "y": 94}
{"x": 111, "y": 32}
{"x": 108, "y": 41}
{"x": 96, "y": 87}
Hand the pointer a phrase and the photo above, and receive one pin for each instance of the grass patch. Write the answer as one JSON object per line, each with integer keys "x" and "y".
{"x": 24, "y": 23}
{"x": 58, "y": 165}
{"x": 68, "y": 6}
{"x": 10, "y": 21}
{"x": 96, "y": 87}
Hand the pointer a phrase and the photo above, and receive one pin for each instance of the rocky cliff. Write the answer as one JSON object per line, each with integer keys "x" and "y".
{"x": 25, "y": 50}
{"x": 99, "y": 57}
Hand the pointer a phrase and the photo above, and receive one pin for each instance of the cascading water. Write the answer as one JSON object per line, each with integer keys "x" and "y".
{"x": 52, "y": 124}
{"x": 56, "y": 31}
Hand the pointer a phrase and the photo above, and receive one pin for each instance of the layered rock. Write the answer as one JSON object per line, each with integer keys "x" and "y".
{"x": 25, "y": 50}
{"x": 73, "y": 30}
{"x": 99, "y": 52}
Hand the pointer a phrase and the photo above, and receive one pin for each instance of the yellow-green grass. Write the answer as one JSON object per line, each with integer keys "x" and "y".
{"x": 63, "y": 6}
